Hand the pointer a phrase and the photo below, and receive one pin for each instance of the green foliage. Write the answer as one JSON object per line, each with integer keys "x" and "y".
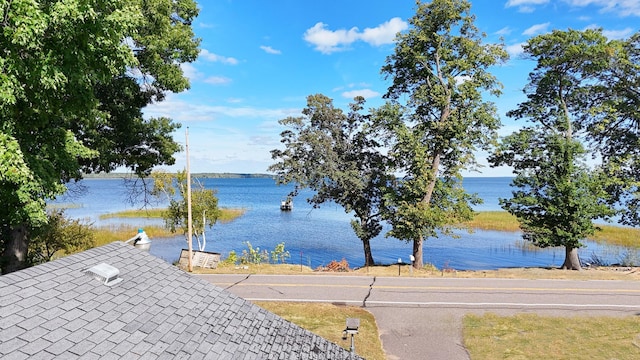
{"x": 59, "y": 236}
{"x": 21, "y": 197}
{"x": 256, "y": 256}
{"x": 610, "y": 114}
{"x": 333, "y": 154}
{"x": 558, "y": 196}
{"x": 279, "y": 254}
{"x": 74, "y": 76}
{"x": 204, "y": 205}
{"x": 253, "y": 255}
{"x": 231, "y": 259}
{"x": 441, "y": 67}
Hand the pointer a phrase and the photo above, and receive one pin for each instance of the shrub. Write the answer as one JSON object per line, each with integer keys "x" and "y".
{"x": 59, "y": 236}
{"x": 253, "y": 256}
{"x": 279, "y": 254}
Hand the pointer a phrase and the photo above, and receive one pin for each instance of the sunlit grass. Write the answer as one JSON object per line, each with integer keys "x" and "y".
{"x": 107, "y": 234}
{"x": 503, "y": 221}
{"x": 494, "y": 220}
{"x": 530, "y": 336}
{"x": 62, "y": 206}
{"x": 142, "y": 214}
{"x": 226, "y": 214}
{"x": 328, "y": 321}
{"x": 122, "y": 232}
{"x": 617, "y": 235}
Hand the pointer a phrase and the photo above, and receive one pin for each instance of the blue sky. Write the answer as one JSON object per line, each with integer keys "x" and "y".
{"x": 260, "y": 59}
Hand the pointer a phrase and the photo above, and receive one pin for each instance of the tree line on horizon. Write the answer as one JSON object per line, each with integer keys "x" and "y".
{"x": 76, "y": 76}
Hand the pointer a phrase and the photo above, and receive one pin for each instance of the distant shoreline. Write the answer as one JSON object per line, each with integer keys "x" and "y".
{"x": 196, "y": 175}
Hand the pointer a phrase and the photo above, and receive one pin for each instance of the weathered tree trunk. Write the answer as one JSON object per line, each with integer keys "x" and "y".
{"x": 14, "y": 257}
{"x": 571, "y": 259}
{"x": 426, "y": 199}
{"x": 417, "y": 253}
{"x": 368, "y": 256}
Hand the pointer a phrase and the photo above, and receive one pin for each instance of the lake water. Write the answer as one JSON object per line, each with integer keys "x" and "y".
{"x": 314, "y": 237}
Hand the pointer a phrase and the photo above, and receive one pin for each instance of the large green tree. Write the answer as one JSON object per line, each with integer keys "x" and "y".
{"x": 441, "y": 68}
{"x": 611, "y": 117}
{"x": 558, "y": 196}
{"x": 332, "y": 153}
{"x": 74, "y": 78}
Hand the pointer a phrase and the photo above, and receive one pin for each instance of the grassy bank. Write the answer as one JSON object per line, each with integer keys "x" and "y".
{"x": 110, "y": 233}
{"x": 503, "y": 221}
{"x": 107, "y": 234}
{"x": 226, "y": 214}
{"x": 530, "y": 336}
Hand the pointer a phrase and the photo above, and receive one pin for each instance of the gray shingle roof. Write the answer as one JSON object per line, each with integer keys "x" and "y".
{"x": 157, "y": 311}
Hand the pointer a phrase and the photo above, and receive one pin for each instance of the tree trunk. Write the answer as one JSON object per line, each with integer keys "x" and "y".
{"x": 417, "y": 253}
{"x": 14, "y": 257}
{"x": 368, "y": 256}
{"x": 571, "y": 259}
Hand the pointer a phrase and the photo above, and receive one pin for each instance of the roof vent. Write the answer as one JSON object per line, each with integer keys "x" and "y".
{"x": 105, "y": 273}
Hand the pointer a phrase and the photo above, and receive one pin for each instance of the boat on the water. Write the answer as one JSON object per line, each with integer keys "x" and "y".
{"x": 286, "y": 204}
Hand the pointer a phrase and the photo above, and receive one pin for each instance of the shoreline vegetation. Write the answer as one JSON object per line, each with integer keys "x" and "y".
{"x": 484, "y": 220}
{"x": 106, "y": 234}
{"x": 609, "y": 234}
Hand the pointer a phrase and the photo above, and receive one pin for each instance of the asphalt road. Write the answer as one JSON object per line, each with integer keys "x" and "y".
{"x": 421, "y": 318}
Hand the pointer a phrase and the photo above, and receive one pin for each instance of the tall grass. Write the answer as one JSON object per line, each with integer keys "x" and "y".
{"x": 122, "y": 232}
{"x": 503, "y": 221}
{"x": 494, "y": 220}
{"x": 107, "y": 234}
{"x": 138, "y": 214}
{"x": 226, "y": 214}
{"x": 617, "y": 235}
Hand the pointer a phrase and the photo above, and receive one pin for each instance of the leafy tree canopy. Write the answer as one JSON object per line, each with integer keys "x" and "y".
{"x": 558, "y": 196}
{"x": 332, "y": 153}
{"x": 74, "y": 78}
{"x": 441, "y": 66}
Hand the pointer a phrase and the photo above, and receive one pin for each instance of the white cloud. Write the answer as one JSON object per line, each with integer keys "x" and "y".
{"x": 328, "y": 41}
{"x": 511, "y": 3}
{"x": 504, "y": 31}
{"x": 190, "y": 71}
{"x": 622, "y": 7}
{"x": 270, "y": 50}
{"x": 217, "y": 80}
{"x": 536, "y": 29}
{"x": 188, "y": 112}
{"x": 365, "y": 93}
{"x": 525, "y": 6}
{"x": 384, "y": 33}
{"x": 209, "y": 56}
{"x": 515, "y": 50}
{"x": 462, "y": 79}
{"x": 618, "y": 34}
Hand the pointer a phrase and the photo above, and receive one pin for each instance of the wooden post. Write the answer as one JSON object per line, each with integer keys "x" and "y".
{"x": 189, "y": 229}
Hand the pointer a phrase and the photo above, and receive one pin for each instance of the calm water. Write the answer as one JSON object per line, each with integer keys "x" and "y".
{"x": 314, "y": 237}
